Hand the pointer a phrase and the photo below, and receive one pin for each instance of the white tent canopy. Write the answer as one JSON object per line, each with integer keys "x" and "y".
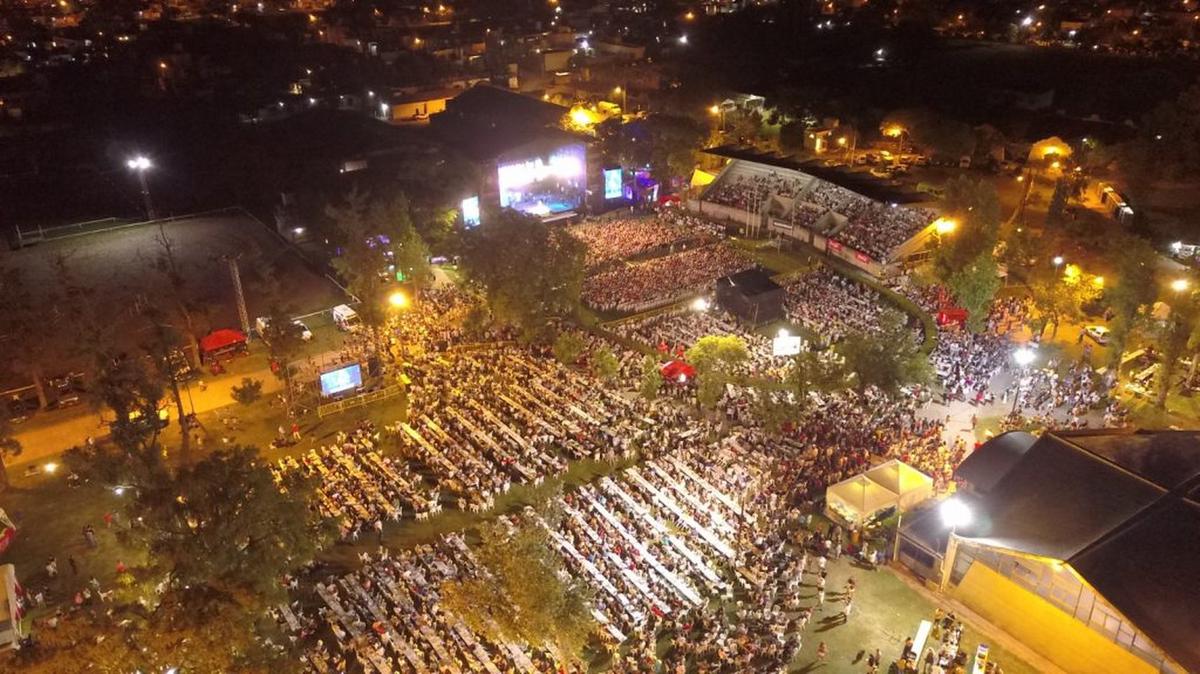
{"x": 890, "y": 484}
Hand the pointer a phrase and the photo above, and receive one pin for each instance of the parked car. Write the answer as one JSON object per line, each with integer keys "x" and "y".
{"x": 65, "y": 390}
{"x": 1097, "y": 333}
{"x": 882, "y": 172}
{"x": 262, "y": 324}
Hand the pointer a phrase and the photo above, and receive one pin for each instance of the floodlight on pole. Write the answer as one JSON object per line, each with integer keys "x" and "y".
{"x": 955, "y": 513}
{"x": 140, "y": 164}
{"x": 1024, "y": 356}
{"x": 945, "y": 225}
{"x": 1057, "y": 261}
{"x": 700, "y": 304}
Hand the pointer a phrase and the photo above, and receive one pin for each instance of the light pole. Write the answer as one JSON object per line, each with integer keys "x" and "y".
{"x": 1023, "y": 357}
{"x": 139, "y": 165}
{"x": 624, "y": 94}
{"x": 719, "y": 112}
{"x": 954, "y": 514}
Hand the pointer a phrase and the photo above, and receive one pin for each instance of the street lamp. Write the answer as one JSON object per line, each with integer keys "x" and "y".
{"x": 139, "y": 165}
{"x": 955, "y": 513}
{"x": 1023, "y": 357}
{"x": 718, "y": 111}
{"x": 945, "y": 226}
{"x": 1180, "y": 284}
{"x": 398, "y": 300}
{"x": 620, "y": 91}
{"x": 1057, "y": 261}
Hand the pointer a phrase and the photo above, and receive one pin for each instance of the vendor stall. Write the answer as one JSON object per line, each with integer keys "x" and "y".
{"x": 893, "y": 484}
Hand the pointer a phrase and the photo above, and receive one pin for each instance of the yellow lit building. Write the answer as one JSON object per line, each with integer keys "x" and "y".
{"x": 1083, "y": 545}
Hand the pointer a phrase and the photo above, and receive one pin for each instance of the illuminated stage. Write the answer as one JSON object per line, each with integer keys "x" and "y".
{"x": 547, "y": 184}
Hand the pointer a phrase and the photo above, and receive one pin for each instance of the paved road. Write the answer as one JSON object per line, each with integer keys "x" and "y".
{"x": 49, "y": 434}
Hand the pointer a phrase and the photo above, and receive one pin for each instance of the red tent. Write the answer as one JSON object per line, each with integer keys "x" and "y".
{"x": 222, "y": 339}
{"x": 951, "y": 315}
{"x": 677, "y": 371}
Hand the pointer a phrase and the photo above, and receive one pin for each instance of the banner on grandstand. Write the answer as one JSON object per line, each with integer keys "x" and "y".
{"x": 862, "y": 257}
{"x": 780, "y": 224}
{"x": 834, "y": 245}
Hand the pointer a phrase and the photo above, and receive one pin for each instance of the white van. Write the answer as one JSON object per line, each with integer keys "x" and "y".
{"x": 346, "y": 319}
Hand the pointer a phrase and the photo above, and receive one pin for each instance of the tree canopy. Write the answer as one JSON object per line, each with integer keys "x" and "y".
{"x": 975, "y": 207}
{"x": 524, "y": 593}
{"x": 665, "y": 143}
{"x": 379, "y": 244}
{"x": 529, "y": 270}
{"x": 716, "y": 359}
{"x": 888, "y": 360}
{"x": 974, "y": 286}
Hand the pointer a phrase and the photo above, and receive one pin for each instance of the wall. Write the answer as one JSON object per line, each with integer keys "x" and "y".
{"x": 1055, "y": 635}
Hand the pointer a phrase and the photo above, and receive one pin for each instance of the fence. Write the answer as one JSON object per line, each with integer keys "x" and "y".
{"x": 358, "y": 401}
{"x": 39, "y": 234}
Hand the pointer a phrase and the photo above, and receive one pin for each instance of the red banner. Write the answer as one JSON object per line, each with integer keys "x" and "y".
{"x": 835, "y": 245}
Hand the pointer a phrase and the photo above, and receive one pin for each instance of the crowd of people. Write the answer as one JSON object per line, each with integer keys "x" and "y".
{"x": 832, "y": 305}
{"x": 644, "y": 285}
{"x": 877, "y": 229}
{"x": 386, "y": 617}
{"x": 615, "y": 239}
{"x": 747, "y": 191}
{"x": 677, "y": 331}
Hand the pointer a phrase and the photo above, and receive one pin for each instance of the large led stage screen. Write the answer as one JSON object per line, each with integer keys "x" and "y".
{"x": 545, "y": 185}
{"x": 345, "y": 378}
{"x": 613, "y": 183}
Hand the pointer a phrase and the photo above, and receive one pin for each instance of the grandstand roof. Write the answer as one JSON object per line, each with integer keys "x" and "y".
{"x": 1121, "y": 508}
{"x": 863, "y": 184}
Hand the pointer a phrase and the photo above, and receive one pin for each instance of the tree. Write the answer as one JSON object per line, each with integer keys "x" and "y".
{"x": 124, "y": 384}
{"x": 1174, "y": 336}
{"x": 185, "y": 309}
{"x": 888, "y": 360}
{"x": 529, "y": 270}
{"x": 974, "y": 287}
{"x": 716, "y": 359}
{"x": 568, "y": 346}
{"x": 666, "y": 143}
{"x": 523, "y": 594}
{"x": 218, "y": 530}
{"x": 652, "y": 380}
{"x": 1061, "y": 299}
{"x": 1056, "y": 212}
{"x": 248, "y": 392}
{"x": 28, "y": 329}
{"x": 1135, "y": 289}
{"x": 162, "y": 343}
{"x": 605, "y": 363}
{"x": 378, "y": 243}
{"x": 284, "y": 343}
{"x": 974, "y": 206}
{"x": 9, "y": 445}
{"x": 116, "y": 636}
{"x": 936, "y": 134}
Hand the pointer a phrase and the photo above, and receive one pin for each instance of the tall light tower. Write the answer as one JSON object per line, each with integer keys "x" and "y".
{"x": 139, "y": 165}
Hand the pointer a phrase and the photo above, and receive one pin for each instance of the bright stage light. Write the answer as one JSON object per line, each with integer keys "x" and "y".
{"x": 954, "y": 513}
